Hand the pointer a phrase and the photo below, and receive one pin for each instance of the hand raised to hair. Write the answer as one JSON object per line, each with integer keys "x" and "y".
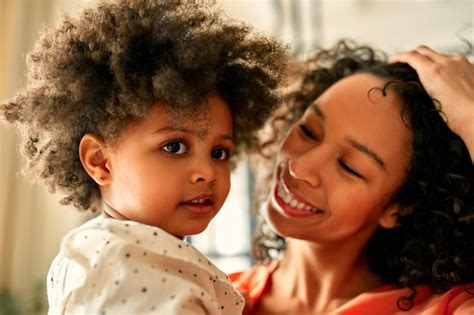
{"x": 450, "y": 80}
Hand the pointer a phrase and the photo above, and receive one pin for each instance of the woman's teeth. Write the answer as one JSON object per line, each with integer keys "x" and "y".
{"x": 292, "y": 202}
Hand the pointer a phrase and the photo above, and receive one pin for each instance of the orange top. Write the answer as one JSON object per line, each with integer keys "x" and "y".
{"x": 256, "y": 281}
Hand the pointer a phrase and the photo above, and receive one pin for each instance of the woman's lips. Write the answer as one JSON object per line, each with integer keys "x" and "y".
{"x": 291, "y": 205}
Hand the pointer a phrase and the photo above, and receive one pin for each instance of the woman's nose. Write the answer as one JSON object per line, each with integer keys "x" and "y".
{"x": 308, "y": 167}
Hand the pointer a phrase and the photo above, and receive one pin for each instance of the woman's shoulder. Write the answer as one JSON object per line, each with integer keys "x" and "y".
{"x": 255, "y": 281}
{"x": 456, "y": 301}
{"x": 459, "y": 300}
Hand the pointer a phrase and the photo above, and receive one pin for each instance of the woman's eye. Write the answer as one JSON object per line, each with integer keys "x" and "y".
{"x": 175, "y": 147}
{"x": 220, "y": 154}
{"x": 346, "y": 168}
{"x": 308, "y": 132}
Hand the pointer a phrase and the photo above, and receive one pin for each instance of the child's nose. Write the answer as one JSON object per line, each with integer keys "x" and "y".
{"x": 204, "y": 172}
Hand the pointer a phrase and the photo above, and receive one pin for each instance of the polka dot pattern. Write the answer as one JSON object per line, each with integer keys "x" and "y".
{"x": 109, "y": 266}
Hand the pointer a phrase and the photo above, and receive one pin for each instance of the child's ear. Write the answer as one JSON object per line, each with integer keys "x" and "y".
{"x": 94, "y": 158}
{"x": 388, "y": 219}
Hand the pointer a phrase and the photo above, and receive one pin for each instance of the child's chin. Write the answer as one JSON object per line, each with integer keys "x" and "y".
{"x": 197, "y": 231}
{"x": 194, "y": 230}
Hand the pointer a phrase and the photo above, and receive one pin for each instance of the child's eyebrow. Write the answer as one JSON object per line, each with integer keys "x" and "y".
{"x": 199, "y": 133}
{"x": 174, "y": 128}
{"x": 318, "y": 111}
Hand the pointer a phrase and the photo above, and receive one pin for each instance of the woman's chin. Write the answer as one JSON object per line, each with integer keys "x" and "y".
{"x": 275, "y": 221}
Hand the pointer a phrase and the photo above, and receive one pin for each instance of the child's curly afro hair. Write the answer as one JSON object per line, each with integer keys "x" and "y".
{"x": 105, "y": 69}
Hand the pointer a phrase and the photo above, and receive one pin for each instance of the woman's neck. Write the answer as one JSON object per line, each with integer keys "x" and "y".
{"x": 322, "y": 279}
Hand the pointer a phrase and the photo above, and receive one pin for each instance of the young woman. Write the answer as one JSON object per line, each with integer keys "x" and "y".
{"x": 370, "y": 208}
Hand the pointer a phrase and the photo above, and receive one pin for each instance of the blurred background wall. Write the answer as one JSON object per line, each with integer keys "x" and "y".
{"x": 31, "y": 221}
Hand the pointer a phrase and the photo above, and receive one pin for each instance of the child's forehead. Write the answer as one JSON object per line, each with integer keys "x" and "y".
{"x": 197, "y": 119}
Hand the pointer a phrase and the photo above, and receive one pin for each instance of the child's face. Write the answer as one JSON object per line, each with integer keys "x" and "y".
{"x": 173, "y": 174}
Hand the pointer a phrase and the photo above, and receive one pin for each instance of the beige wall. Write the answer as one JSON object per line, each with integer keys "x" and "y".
{"x": 391, "y": 25}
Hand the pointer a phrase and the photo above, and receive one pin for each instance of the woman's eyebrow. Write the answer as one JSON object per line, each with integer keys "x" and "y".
{"x": 317, "y": 110}
{"x": 354, "y": 143}
{"x": 368, "y": 152}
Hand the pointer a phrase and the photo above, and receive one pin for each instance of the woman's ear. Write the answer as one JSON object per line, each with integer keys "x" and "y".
{"x": 94, "y": 158}
{"x": 388, "y": 219}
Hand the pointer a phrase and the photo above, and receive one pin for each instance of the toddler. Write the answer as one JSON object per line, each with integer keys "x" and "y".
{"x": 133, "y": 110}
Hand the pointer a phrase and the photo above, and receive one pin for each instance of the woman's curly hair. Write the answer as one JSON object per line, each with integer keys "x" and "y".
{"x": 434, "y": 241}
{"x": 105, "y": 69}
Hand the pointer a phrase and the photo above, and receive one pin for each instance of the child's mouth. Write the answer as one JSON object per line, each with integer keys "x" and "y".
{"x": 199, "y": 206}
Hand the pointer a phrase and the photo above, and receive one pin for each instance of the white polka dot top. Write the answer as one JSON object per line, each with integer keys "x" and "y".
{"x": 108, "y": 266}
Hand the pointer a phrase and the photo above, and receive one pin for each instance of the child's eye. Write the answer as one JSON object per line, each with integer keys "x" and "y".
{"x": 307, "y": 133}
{"x": 174, "y": 147}
{"x": 220, "y": 154}
{"x": 348, "y": 169}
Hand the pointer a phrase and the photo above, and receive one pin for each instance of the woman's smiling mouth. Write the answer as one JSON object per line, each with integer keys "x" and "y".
{"x": 292, "y": 205}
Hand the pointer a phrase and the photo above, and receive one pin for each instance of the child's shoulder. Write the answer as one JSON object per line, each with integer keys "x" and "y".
{"x": 121, "y": 259}
{"x": 103, "y": 233}
{"x": 126, "y": 242}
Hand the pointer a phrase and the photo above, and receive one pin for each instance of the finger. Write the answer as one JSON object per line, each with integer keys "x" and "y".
{"x": 398, "y": 57}
{"x": 468, "y": 60}
{"x": 404, "y": 56}
{"x": 413, "y": 58}
{"x": 430, "y": 53}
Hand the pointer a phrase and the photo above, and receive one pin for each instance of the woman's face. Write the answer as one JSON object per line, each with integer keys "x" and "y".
{"x": 340, "y": 164}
